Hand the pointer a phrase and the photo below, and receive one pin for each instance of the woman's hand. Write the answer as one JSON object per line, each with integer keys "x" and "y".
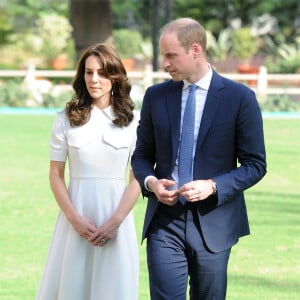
{"x": 106, "y": 232}
{"x": 83, "y": 226}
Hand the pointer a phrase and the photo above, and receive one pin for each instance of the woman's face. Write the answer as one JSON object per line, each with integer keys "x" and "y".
{"x": 98, "y": 86}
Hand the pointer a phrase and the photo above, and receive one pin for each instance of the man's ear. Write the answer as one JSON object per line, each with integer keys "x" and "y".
{"x": 196, "y": 50}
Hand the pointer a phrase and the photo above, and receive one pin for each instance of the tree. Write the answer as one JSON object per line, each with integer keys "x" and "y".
{"x": 91, "y": 21}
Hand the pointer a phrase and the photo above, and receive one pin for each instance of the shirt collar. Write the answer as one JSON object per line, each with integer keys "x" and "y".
{"x": 203, "y": 83}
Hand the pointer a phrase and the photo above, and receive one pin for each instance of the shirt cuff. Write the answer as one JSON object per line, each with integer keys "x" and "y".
{"x": 145, "y": 182}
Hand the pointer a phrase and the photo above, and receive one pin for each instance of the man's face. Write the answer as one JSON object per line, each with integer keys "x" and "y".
{"x": 176, "y": 60}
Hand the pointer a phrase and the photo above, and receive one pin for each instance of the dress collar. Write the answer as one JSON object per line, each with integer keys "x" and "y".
{"x": 107, "y": 111}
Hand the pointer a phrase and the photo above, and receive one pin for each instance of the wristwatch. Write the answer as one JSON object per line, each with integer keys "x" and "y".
{"x": 214, "y": 187}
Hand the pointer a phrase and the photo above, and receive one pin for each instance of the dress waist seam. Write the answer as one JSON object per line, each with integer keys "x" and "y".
{"x": 97, "y": 177}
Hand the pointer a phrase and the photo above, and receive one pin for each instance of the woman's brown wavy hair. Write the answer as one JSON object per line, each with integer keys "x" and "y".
{"x": 79, "y": 108}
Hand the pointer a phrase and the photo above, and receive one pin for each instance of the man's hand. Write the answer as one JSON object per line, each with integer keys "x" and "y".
{"x": 197, "y": 190}
{"x": 162, "y": 188}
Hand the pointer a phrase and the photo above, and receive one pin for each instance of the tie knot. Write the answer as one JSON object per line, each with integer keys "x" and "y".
{"x": 193, "y": 87}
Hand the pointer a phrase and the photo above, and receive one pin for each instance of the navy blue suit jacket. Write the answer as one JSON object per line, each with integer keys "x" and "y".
{"x": 230, "y": 149}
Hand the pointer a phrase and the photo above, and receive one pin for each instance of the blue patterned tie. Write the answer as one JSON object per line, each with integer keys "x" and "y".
{"x": 185, "y": 163}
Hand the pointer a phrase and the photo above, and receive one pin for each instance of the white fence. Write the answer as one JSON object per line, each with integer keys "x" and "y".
{"x": 265, "y": 84}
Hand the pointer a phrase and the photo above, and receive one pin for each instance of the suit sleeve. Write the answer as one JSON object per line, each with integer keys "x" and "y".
{"x": 250, "y": 150}
{"x": 143, "y": 159}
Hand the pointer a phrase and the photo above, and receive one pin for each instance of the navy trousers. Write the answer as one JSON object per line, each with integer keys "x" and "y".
{"x": 177, "y": 253}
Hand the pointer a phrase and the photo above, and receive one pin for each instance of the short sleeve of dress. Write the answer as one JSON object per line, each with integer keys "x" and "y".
{"x": 58, "y": 140}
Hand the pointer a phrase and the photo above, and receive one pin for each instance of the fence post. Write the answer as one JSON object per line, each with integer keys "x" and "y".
{"x": 262, "y": 83}
{"x": 148, "y": 75}
{"x": 30, "y": 75}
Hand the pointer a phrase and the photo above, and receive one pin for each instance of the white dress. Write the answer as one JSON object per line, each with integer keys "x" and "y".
{"x": 99, "y": 153}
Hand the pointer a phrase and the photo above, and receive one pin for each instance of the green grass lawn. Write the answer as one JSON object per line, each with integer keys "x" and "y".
{"x": 264, "y": 265}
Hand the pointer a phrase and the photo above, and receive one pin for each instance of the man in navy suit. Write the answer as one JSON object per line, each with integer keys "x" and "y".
{"x": 192, "y": 239}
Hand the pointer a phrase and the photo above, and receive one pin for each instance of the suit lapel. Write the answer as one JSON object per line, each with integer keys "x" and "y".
{"x": 211, "y": 106}
{"x": 173, "y": 101}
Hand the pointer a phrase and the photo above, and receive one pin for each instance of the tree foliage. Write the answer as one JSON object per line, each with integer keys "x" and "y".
{"x": 23, "y": 13}
{"x": 136, "y": 14}
{"x": 217, "y": 15}
{"x": 17, "y": 16}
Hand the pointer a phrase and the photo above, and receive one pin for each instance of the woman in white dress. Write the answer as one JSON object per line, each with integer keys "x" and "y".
{"x": 94, "y": 254}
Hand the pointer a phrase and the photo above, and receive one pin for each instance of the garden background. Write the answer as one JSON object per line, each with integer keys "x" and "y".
{"x": 34, "y": 34}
